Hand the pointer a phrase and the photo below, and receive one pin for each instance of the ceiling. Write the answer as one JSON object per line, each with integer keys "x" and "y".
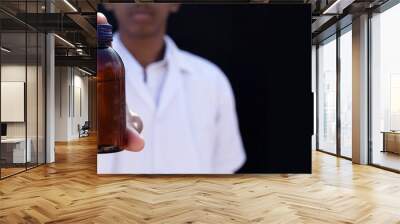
{"x": 22, "y": 23}
{"x": 330, "y": 16}
{"x": 74, "y": 21}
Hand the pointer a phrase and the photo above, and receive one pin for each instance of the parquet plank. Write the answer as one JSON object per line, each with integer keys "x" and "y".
{"x": 70, "y": 191}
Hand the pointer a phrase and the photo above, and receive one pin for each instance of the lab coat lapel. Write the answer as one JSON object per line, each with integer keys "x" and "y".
{"x": 171, "y": 87}
{"x": 135, "y": 79}
{"x": 173, "y": 82}
{"x": 133, "y": 73}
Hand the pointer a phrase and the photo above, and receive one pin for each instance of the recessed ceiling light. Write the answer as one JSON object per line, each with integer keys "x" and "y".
{"x": 65, "y": 41}
{"x": 84, "y": 71}
{"x": 5, "y": 50}
{"x": 337, "y": 7}
{"x": 70, "y": 5}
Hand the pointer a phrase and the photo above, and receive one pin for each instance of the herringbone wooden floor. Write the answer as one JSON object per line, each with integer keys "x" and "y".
{"x": 69, "y": 191}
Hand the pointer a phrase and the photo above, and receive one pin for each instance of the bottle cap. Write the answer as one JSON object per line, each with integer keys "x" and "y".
{"x": 104, "y": 33}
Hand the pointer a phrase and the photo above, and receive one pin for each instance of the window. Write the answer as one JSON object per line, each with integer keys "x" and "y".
{"x": 346, "y": 93}
{"x": 327, "y": 96}
{"x": 22, "y": 90}
{"x": 333, "y": 137}
{"x": 385, "y": 88}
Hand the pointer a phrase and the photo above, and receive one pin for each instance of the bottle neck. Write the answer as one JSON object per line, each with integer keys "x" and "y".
{"x": 104, "y": 35}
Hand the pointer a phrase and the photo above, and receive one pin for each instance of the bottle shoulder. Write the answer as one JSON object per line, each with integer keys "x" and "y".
{"x": 108, "y": 59}
{"x": 107, "y": 52}
{"x": 108, "y": 55}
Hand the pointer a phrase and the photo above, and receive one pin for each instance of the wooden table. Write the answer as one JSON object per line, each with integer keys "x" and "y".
{"x": 391, "y": 141}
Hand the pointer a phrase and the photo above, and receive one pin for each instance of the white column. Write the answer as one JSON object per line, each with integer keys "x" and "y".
{"x": 50, "y": 99}
{"x": 360, "y": 90}
{"x": 62, "y": 103}
{"x": 50, "y": 92}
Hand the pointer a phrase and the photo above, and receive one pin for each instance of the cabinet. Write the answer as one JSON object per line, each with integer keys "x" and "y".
{"x": 13, "y": 150}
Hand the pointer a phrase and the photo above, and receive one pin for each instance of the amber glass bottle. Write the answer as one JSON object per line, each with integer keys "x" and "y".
{"x": 111, "y": 112}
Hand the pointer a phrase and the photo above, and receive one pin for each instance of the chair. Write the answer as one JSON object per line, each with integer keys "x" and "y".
{"x": 84, "y": 130}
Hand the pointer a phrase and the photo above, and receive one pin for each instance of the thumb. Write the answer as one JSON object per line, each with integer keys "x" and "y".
{"x": 135, "y": 140}
{"x": 133, "y": 129}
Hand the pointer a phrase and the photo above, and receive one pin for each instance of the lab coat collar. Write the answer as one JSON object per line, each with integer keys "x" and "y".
{"x": 176, "y": 67}
{"x": 176, "y": 56}
{"x": 173, "y": 55}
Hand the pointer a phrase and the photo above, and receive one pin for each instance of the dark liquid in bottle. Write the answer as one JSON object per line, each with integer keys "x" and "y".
{"x": 111, "y": 112}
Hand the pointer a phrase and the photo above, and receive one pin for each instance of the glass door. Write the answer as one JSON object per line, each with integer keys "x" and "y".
{"x": 327, "y": 96}
{"x": 35, "y": 88}
{"x": 385, "y": 89}
{"x": 13, "y": 105}
{"x": 22, "y": 69}
{"x": 345, "y": 92}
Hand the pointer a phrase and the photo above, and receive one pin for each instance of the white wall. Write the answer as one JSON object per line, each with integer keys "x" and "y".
{"x": 80, "y": 101}
{"x": 17, "y": 72}
{"x": 62, "y": 81}
{"x": 71, "y": 94}
{"x": 33, "y": 126}
{"x": 14, "y": 72}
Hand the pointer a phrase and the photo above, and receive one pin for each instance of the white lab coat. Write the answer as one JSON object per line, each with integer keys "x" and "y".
{"x": 194, "y": 128}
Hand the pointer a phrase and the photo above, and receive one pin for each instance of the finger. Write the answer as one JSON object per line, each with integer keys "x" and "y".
{"x": 135, "y": 121}
{"x": 101, "y": 18}
{"x": 135, "y": 140}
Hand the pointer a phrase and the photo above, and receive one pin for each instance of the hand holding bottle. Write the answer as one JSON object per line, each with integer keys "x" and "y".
{"x": 134, "y": 128}
{"x": 134, "y": 125}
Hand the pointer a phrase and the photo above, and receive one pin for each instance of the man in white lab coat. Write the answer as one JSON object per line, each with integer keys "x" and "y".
{"x": 186, "y": 102}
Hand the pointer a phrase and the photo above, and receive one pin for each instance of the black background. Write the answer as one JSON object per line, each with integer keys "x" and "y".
{"x": 265, "y": 51}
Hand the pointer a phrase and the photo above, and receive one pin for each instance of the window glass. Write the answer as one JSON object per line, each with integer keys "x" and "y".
{"x": 13, "y": 147}
{"x": 385, "y": 88}
{"x": 346, "y": 94}
{"x": 327, "y": 96}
